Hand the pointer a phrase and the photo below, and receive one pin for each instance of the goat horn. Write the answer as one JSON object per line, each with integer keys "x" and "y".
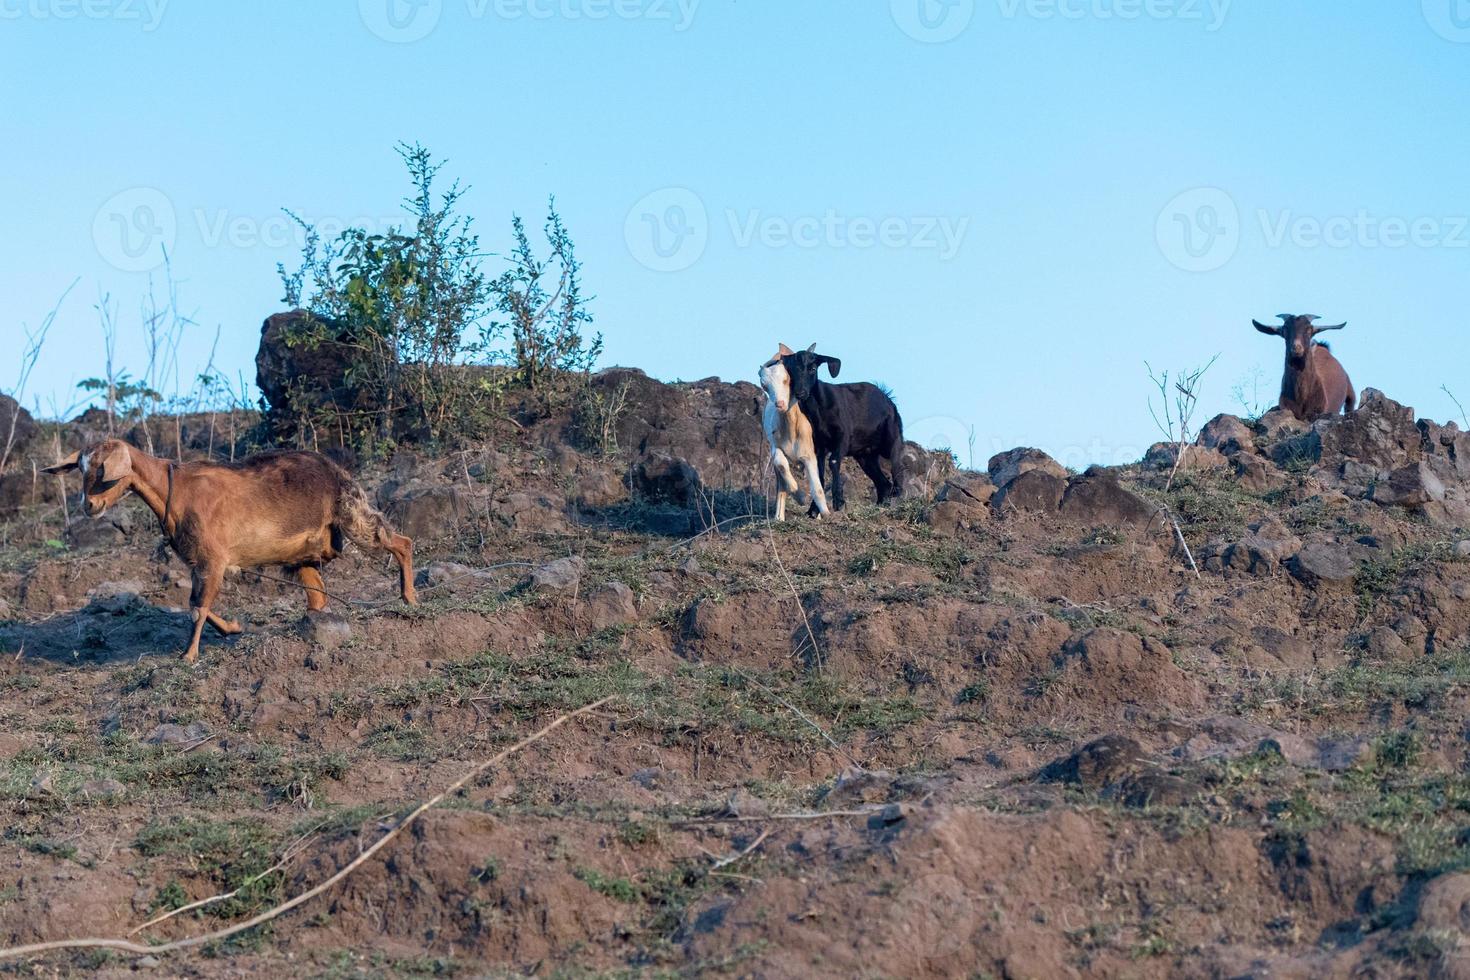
{"x": 1286, "y": 316}
{"x": 1338, "y": 327}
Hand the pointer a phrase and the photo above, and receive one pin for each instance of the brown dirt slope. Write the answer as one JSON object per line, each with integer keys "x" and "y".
{"x": 998, "y": 730}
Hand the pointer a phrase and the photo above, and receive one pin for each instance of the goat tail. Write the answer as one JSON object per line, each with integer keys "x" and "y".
{"x": 1350, "y": 405}
{"x": 895, "y": 455}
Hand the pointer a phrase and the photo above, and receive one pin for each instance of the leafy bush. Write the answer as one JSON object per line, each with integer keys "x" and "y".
{"x": 420, "y": 325}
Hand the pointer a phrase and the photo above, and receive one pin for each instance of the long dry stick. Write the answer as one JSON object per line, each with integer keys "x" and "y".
{"x": 813, "y": 815}
{"x": 802, "y": 715}
{"x": 775, "y": 552}
{"x": 299, "y": 845}
{"x": 125, "y": 946}
{"x": 725, "y": 862}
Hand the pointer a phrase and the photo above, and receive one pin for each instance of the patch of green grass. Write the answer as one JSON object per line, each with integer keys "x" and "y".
{"x": 229, "y": 853}
{"x": 977, "y": 693}
{"x": 1383, "y": 577}
{"x": 615, "y": 888}
{"x": 1397, "y": 750}
{"x": 693, "y": 696}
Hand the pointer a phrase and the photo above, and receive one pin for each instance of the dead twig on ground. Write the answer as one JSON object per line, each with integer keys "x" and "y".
{"x": 193, "y": 942}
{"x": 725, "y": 862}
{"x": 797, "y": 817}
{"x": 810, "y": 634}
{"x": 802, "y": 715}
{"x": 287, "y": 856}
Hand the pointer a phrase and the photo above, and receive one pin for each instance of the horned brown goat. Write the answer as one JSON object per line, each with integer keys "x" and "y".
{"x": 292, "y": 509}
{"x": 1314, "y": 383}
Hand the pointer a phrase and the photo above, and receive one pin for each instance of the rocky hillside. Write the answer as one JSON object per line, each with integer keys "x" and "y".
{"x": 1001, "y": 729}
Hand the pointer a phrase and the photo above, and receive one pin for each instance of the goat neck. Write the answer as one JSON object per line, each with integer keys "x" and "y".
{"x": 150, "y": 482}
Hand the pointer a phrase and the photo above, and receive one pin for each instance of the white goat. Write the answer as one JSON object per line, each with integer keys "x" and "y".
{"x": 790, "y": 436}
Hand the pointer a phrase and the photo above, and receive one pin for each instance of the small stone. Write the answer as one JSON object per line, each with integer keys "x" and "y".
{"x": 1462, "y": 550}
{"x": 691, "y": 566}
{"x": 1410, "y": 486}
{"x": 888, "y": 816}
{"x": 43, "y": 785}
{"x": 104, "y": 789}
{"x": 652, "y": 778}
{"x": 1322, "y": 565}
{"x": 171, "y": 734}
{"x": 1228, "y": 434}
{"x": 327, "y": 630}
{"x": 612, "y": 604}
{"x": 442, "y": 573}
{"x": 148, "y": 963}
{"x": 562, "y": 575}
{"x": 743, "y": 803}
{"x": 1385, "y": 644}
{"x": 1006, "y": 467}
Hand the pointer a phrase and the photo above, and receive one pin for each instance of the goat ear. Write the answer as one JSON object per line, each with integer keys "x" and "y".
{"x": 66, "y": 465}
{"x": 812, "y": 349}
{"x": 834, "y": 365}
{"x": 117, "y": 465}
{"x": 784, "y": 351}
{"x": 1273, "y": 331}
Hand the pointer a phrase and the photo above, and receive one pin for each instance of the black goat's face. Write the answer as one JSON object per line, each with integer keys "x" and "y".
{"x": 1299, "y": 332}
{"x": 803, "y": 370}
{"x": 107, "y": 474}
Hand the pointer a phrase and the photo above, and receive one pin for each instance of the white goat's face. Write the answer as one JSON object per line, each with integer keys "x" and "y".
{"x": 777, "y": 384}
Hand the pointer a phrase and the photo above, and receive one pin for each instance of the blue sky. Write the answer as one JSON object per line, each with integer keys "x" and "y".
{"x": 1000, "y": 208}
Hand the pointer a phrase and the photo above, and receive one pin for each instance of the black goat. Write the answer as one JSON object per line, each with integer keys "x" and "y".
{"x": 857, "y": 420}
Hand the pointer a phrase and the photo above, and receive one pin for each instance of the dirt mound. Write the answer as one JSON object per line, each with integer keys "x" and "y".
{"x": 1003, "y": 728}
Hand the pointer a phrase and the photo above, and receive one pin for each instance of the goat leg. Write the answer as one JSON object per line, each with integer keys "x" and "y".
{"x": 402, "y": 549}
{"x": 316, "y": 590}
{"x": 839, "y": 495}
{"x": 207, "y": 581}
{"x": 226, "y": 627}
{"x": 814, "y": 481}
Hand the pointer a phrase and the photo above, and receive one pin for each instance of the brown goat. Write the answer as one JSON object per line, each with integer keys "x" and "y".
{"x": 292, "y": 509}
{"x": 1315, "y": 382}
